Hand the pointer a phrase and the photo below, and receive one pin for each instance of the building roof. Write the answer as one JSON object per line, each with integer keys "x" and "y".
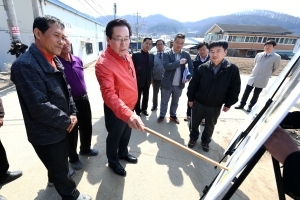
{"x": 64, "y": 6}
{"x": 234, "y": 28}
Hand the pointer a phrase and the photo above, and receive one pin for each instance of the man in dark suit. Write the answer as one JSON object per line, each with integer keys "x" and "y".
{"x": 143, "y": 64}
{"x": 176, "y": 62}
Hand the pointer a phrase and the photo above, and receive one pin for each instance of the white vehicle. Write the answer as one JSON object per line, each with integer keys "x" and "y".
{"x": 154, "y": 50}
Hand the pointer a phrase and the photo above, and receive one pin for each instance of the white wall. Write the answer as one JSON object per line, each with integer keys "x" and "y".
{"x": 24, "y": 18}
{"x": 78, "y": 28}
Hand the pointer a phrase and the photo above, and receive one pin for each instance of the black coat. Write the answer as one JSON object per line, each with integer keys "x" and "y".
{"x": 197, "y": 61}
{"x": 215, "y": 90}
{"x": 143, "y": 70}
{"x": 44, "y": 95}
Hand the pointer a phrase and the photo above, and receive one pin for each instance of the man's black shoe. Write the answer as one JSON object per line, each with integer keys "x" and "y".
{"x": 118, "y": 169}
{"x": 145, "y": 112}
{"x": 192, "y": 143}
{"x": 160, "y": 119}
{"x": 174, "y": 119}
{"x": 153, "y": 108}
{"x": 205, "y": 147}
{"x": 239, "y": 107}
{"x": 129, "y": 158}
{"x": 11, "y": 176}
{"x": 91, "y": 152}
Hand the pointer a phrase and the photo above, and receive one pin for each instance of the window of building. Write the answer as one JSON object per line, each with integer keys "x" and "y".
{"x": 286, "y": 40}
{"x": 259, "y": 39}
{"x": 100, "y": 46}
{"x": 229, "y": 38}
{"x": 240, "y": 39}
{"x": 294, "y": 41}
{"x": 225, "y": 37}
{"x": 249, "y": 39}
{"x": 291, "y": 40}
{"x": 264, "y": 40}
{"x": 251, "y": 53}
{"x": 220, "y": 36}
{"x": 281, "y": 40}
{"x": 89, "y": 48}
{"x": 271, "y": 39}
{"x": 277, "y": 40}
{"x": 233, "y": 38}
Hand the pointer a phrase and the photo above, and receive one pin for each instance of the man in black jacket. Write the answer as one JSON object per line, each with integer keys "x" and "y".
{"x": 143, "y": 63}
{"x": 214, "y": 84}
{"x": 202, "y": 57}
{"x": 48, "y": 108}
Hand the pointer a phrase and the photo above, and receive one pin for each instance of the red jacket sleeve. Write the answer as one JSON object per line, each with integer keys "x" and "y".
{"x": 109, "y": 93}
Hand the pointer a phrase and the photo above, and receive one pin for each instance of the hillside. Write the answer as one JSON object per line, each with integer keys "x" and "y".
{"x": 160, "y": 24}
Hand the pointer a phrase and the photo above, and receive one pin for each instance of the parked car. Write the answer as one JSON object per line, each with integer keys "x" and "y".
{"x": 154, "y": 50}
{"x": 285, "y": 57}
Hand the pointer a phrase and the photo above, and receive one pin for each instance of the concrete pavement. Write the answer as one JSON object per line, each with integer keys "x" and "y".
{"x": 163, "y": 171}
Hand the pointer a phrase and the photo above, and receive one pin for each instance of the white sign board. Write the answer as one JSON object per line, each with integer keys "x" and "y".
{"x": 286, "y": 97}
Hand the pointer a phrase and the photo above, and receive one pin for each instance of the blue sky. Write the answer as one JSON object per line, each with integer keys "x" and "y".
{"x": 187, "y": 10}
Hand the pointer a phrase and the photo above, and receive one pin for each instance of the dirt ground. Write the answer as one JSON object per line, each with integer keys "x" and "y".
{"x": 245, "y": 66}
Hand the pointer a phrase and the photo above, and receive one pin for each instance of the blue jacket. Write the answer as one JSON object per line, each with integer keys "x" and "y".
{"x": 44, "y": 96}
{"x": 170, "y": 65}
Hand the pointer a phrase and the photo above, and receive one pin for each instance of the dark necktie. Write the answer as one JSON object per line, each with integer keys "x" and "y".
{"x": 160, "y": 56}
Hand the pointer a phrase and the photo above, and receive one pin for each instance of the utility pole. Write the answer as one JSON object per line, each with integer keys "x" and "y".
{"x": 115, "y": 10}
{"x": 137, "y": 26}
{"x": 12, "y": 20}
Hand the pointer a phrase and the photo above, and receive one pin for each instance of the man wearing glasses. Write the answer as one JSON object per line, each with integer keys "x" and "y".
{"x": 116, "y": 75}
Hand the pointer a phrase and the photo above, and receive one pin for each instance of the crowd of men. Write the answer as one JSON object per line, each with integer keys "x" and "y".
{"x": 53, "y": 96}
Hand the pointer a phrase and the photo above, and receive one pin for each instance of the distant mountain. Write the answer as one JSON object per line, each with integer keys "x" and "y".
{"x": 255, "y": 17}
{"x": 160, "y": 24}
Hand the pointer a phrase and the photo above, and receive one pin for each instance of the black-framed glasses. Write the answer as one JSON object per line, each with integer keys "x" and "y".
{"x": 120, "y": 40}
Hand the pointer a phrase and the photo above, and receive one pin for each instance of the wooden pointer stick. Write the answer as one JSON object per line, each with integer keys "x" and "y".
{"x": 185, "y": 148}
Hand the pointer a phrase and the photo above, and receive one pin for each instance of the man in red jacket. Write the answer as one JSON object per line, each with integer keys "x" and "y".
{"x": 116, "y": 75}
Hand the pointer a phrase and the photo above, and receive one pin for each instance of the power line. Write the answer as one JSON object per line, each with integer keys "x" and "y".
{"x": 96, "y": 10}
{"x": 101, "y": 7}
{"x": 93, "y": 9}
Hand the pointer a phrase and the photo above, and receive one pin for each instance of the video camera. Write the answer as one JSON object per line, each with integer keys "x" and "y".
{"x": 17, "y": 48}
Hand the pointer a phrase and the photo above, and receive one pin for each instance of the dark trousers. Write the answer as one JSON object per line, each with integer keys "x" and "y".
{"x": 210, "y": 115}
{"x": 84, "y": 125}
{"x": 246, "y": 94}
{"x": 3, "y": 163}
{"x": 156, "y": 86}
{"x": 145, "y": 91}
{"x": 188, "y": 110}
{"x": 118, "y": 136}
{"x": 55, "y": 158}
